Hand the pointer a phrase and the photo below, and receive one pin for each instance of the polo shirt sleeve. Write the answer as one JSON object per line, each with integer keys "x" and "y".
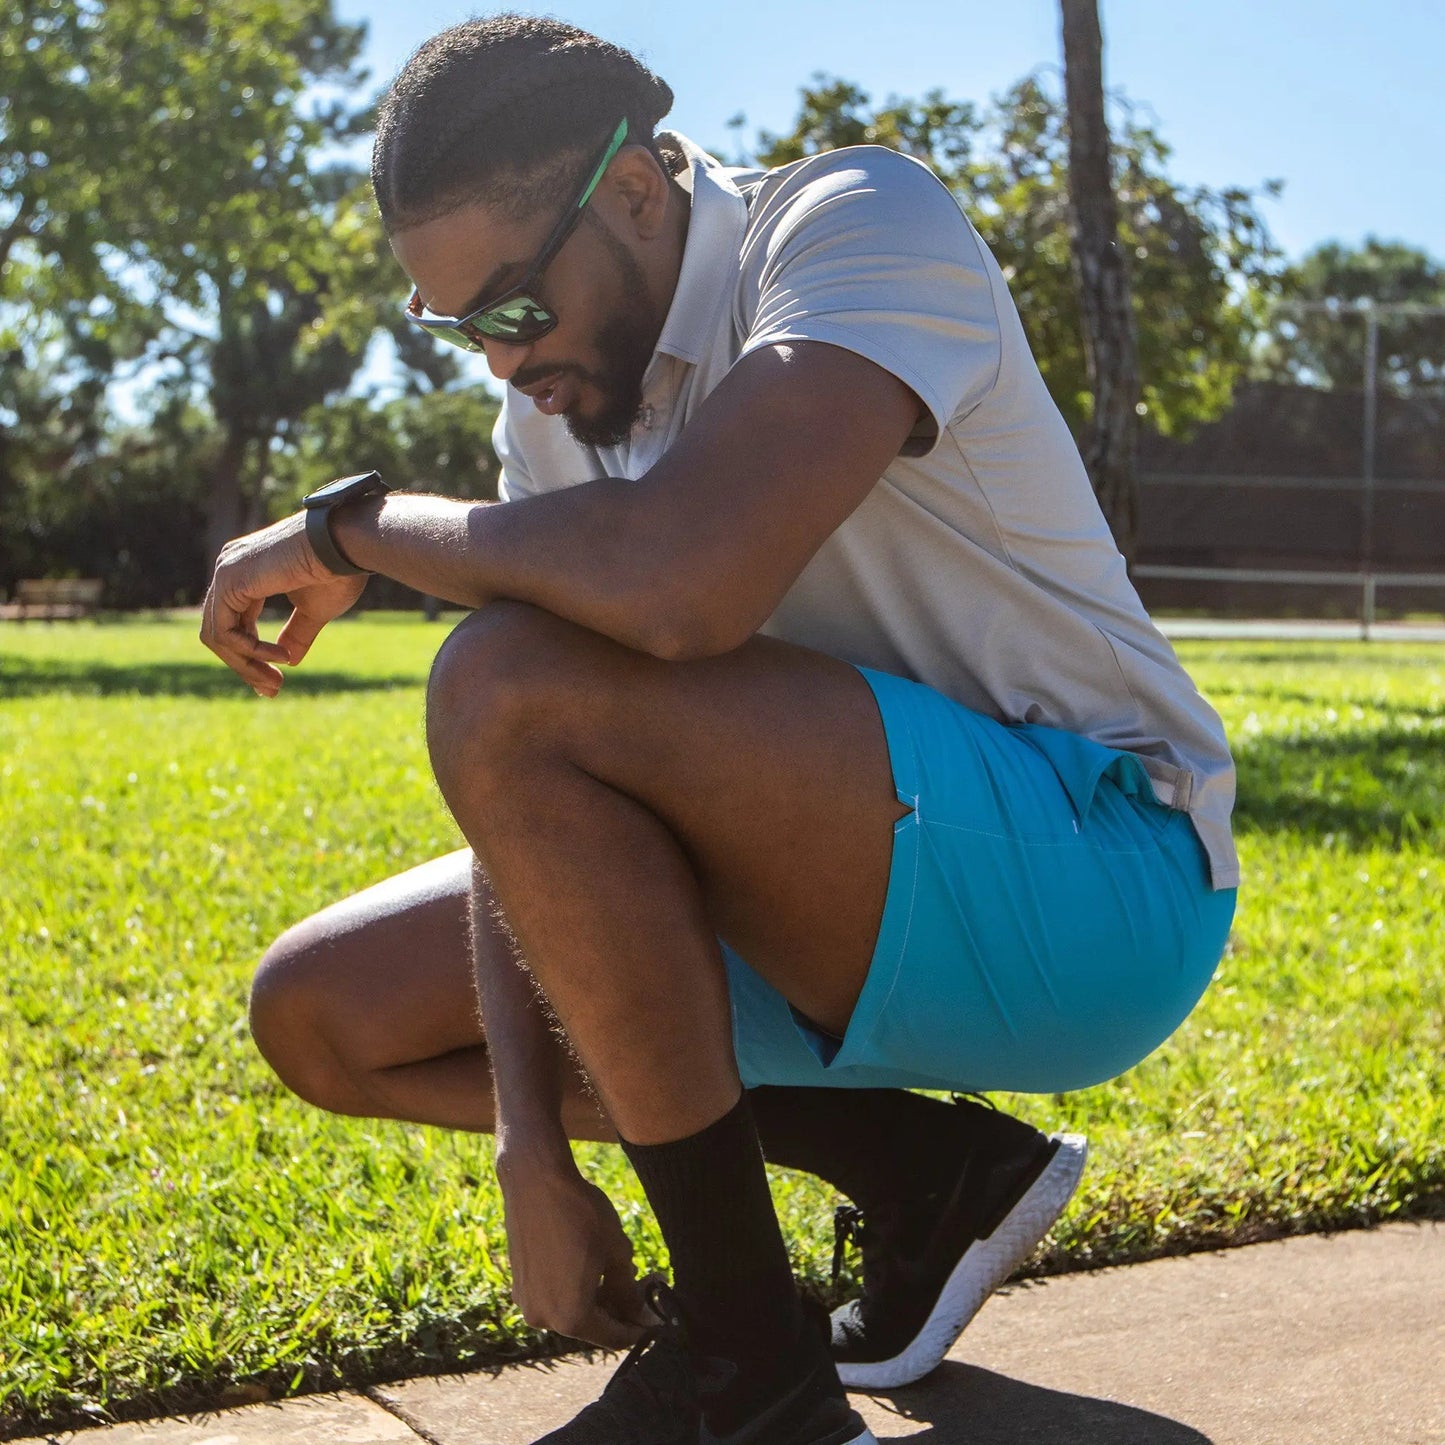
{"x": 866, "y": 249}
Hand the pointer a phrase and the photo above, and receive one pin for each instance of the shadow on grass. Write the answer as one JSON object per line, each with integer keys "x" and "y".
{"x": 36, "y": 677}
{"x": 1384, "y": 785}
{"x": 966, "y": 1405}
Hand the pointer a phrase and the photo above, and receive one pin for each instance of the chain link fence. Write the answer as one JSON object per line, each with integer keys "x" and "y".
{"x": 1321, "y": 492}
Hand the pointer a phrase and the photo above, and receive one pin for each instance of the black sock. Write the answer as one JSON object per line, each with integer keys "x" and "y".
{"x": 877, "y": 1145}
{"x": 730, "y": 1267}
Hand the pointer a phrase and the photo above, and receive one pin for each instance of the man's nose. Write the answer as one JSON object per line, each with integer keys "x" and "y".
{"x": 505, "y": 358}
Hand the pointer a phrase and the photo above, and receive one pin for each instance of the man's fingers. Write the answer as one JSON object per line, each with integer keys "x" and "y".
{"x": 240, "y": 647}
{"x": 270, "y": 650}
{"x": 584, "y": 1320}
{"x": 243, "y": 659}
{"x": 241, "y": 651}
{"x": 237, "y": 630}
{"x": 620, "y": 1293}
{"x": 296, "y": 637}
{"x": 606, "y": 1331}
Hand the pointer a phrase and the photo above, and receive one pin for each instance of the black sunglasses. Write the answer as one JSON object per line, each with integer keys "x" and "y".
{"x": 517, "y": 316}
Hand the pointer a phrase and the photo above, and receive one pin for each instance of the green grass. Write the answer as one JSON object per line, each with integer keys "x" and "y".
{"x": 173, "y": 1222}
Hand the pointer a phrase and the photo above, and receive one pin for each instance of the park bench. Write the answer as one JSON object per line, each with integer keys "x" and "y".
{"x": 53, "y": 599}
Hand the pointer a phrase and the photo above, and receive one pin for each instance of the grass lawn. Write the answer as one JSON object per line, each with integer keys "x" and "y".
{"x": 172, "y": 1222}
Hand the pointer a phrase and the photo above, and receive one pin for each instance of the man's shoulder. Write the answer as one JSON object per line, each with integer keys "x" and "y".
{"x": 866, "y": 169}
{"x": 864, "y": 196}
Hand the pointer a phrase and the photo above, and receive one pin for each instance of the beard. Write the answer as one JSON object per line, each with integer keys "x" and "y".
{"x": 625, "y": 344}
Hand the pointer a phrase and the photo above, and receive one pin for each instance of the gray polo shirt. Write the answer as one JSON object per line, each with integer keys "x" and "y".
{"x": 980, "y": 563}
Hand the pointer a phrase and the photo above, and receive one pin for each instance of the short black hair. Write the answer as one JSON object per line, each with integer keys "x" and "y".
{"x": 498, "y": 110}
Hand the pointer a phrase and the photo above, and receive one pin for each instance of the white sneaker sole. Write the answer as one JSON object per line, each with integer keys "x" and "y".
{"x": 984, "y": 1266}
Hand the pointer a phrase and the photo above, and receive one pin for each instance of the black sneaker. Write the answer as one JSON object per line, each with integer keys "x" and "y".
{"x": 661, "y": 1395}
{"x": 651, "y": 1398}
{"x": 929, "y": 1264}
{"x": 807, "y": 1405}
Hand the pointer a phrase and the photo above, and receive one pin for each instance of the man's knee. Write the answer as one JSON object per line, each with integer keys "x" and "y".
{"x": 494, "y": 680}
{"x": 286, "y": 1008}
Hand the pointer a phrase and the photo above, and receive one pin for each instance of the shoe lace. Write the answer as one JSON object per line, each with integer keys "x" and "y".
{"x": 983, "y": 1099}
{"x": 656, "y": 1367}
{"x": 849, "y": 1224}
{"x": 878, "y": 1235}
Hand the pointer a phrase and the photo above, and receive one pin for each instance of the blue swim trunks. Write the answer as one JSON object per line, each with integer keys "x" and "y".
{"x": 1048, "y": 923}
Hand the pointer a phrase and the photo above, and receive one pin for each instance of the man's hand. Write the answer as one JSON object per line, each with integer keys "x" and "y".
{"x": 275, "y": 561}
{"x": 572, "y": 1267}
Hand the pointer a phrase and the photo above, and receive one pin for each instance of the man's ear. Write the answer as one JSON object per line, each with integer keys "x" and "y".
{"x": 638, "y": 186}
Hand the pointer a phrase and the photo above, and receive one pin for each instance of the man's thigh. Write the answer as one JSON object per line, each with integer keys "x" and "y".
{"x": 769, "y": 764}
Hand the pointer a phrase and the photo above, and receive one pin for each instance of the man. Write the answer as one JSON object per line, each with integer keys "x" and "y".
{"x": 807, "y": 735}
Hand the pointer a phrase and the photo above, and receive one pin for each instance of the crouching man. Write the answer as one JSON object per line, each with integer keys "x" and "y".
{"x": 809, "y": 740}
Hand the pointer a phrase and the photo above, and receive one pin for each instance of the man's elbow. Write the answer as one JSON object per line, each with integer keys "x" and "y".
{"x": 689, "y": 629}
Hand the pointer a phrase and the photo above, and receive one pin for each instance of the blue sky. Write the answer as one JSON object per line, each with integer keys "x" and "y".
{"x": 1339, "y": 100}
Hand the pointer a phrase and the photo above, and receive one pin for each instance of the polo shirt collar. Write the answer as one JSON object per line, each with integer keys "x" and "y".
{"x": 715, "y": 233}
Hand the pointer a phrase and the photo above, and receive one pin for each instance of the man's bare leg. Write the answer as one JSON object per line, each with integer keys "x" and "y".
{"x": 628, "y": 812}
{"x": 369, "y": 1008}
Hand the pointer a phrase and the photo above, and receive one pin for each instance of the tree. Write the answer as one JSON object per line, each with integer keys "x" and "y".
{"x": 1102, "y": 270}
{"x": 41, "y": 429}
{"x": 148, "y": 138}
{"x": 1322, "y": 344}
{"x": 283, "y": 343}
{"x": 1203, "y": 261}
{"x": 161, "y": 188}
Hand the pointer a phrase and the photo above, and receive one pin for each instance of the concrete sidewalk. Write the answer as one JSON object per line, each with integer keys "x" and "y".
{"x": 1324, "y": 1340}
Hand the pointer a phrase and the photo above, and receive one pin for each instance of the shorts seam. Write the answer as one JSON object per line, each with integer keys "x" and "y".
{"x": 902, "y": 755}
{"x": 902, "y": 946}
{"x": 1078, "y": 841}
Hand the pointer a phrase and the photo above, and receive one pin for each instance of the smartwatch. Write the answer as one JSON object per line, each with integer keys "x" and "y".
{"x": 319, "y": 506}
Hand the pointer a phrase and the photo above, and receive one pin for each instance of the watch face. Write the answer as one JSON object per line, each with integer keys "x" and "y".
{"x": 341, "y": 487}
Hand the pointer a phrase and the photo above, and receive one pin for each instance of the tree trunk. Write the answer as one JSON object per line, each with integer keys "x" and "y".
{"x": 253, "y": 502}
{"x": 224, "y": 501}
{"x": 1102, "y": 272}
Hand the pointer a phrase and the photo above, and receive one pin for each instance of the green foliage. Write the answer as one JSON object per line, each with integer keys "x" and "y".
{"x": 437, "y": 442}
{"x": 1315, "y": 347}
{"x": 171, "y": 1219}
{"x": 165, "y": 135}
{"x": 45, "y": 422}
{"x": 165, "y": 197}
{"x": 129, "y": 510}
{"x": 1202, "y": 260}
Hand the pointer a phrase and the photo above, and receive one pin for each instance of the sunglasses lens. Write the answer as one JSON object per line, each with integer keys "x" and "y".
{"x": 519, "y": 318}
{"x": 456, "y": 336}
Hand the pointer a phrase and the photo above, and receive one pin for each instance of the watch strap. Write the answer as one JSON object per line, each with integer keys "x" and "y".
{"x": 318, "y": 533}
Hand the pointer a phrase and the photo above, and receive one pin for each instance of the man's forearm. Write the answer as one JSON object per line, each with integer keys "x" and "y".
{"x": 526, "y": 1056}
{"x": 593, "y": 554}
